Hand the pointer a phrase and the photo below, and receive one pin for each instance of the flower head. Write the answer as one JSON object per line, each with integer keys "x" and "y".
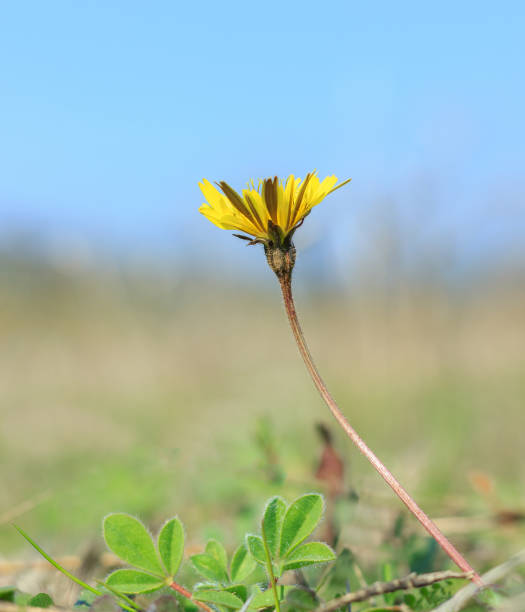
{"x": 270, "y": 213}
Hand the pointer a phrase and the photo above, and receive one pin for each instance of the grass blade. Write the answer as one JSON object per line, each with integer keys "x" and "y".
{"x": 54, "y": 563}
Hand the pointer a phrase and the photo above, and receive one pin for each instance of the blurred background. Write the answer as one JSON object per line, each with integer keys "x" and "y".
{"x": 146, "y": 364}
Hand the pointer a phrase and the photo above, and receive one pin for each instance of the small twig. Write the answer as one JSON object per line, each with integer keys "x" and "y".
{"x": 412, "y": 581}
{"x": 400, "y": 608}
{"x": 457, "y": 602}
{"x": 185, "y": 593}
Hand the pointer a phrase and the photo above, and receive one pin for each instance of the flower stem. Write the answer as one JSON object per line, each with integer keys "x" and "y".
{"x": 185, "y": 593}
{"x": 428, "y": 524}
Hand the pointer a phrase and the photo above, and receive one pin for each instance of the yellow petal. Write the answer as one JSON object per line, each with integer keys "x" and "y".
{"x": 240, "y": 223}
{"x": 271, "y": 197}
{"x": 258, "y": 203}
{"x": 282, "y": 206}
{"x": 284, "y": 202}
{"x": 301, "y": 203}
{"x": 212, "y": 215}
{"x": 327, "y": 184}
{"x": 289, "y": 197}
{"x": 339, "y": 186}
{"x": 213, "y": 196}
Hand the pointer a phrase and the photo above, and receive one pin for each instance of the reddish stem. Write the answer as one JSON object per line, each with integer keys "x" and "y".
{"x": 428, "y": 524}
{"x": 185, "y": 593}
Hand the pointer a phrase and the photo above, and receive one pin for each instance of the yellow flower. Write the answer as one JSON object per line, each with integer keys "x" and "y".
{"x": 269, "y": 213}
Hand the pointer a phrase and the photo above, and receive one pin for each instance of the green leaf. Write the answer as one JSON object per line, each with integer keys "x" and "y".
{"x": 300, "y": 520}
{"x": 40, "y": 600}
{"x": 265, "y": 599}
{"x": 302, "y": 599}
{"x": 209, "y": 567}
{"x": 242, "y": 564}
{"x": 133, "y": 581}
{"x": 7, "y": 593}
{"x": 256, "y": 547}
{"x": 341, "y": 574}
{"x": 216, "y": 550}
{"x": 309, "y": 554}
{"x": 221, "y": 598}
{"x": 272, "y": 524}
{"x": 171, "y": 545}
{"x": 238, "y": 589}
{"x": 127, "y": 537}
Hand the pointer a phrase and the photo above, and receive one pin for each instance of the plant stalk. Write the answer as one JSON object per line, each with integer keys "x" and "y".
{"x": 428, "y": 524}
{"x": 271, "y": 576}
{"x": 185, "y": 593}
{"x": 412, "y": 581}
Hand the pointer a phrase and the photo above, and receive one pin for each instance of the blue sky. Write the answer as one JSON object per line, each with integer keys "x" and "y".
{"x": 111, "y": 111}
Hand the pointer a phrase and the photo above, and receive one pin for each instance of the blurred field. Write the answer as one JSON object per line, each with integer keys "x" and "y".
{"x": 132, "y": 393}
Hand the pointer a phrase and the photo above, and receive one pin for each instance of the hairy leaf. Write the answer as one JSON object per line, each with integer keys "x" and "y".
{"x": 302, "y": 599}
{"x": 127, "y": 537}
{"x": 272, "y": 524}
{"x": 239, "y": 590}
{"x": 221, "y": 598}
{"x": 265, "y": 599}
{"x": 300, "y": 520}
{"x": 216, "y": 550}
{"x": 209, "y": 567}
{"x": 242, "y": 564}
{"x": 309, "y": 554}
{"x": 256, "y": 548}
{"x": 171, "y": 545}
{"x": 133, "y": 581}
